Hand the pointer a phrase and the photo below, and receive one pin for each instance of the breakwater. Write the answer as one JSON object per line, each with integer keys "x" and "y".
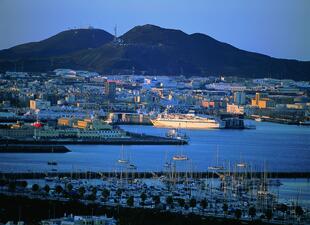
{"x": 33, "y": 149}
{"x": 102, "y": 175}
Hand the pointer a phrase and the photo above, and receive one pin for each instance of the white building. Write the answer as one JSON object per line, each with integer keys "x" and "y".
{"x": 235, "y": 109}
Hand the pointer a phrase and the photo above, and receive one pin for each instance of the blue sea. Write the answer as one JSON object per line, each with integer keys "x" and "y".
{"x": 272, "y": 147}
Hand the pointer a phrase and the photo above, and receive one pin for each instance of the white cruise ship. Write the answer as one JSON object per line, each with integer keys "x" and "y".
{"x": 187, "y": 121}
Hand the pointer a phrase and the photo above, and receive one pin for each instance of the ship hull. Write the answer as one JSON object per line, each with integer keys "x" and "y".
{"x": 186, "y": 124}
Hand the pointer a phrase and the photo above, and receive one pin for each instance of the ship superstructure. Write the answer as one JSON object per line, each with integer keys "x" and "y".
{"x": 187, "y": 121}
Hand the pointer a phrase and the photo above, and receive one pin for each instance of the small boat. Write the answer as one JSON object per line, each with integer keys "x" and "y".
{"x": 258, "y": 119}
{"x": 242, "y": 165}
{"x": 305, "y": 123}
{"x": 176, "y": 134}
{"x": 180, "y": 157}
{"x": 52, "y": 163}
{"x": 132, "y": 166}
{"x": 215, "y": 168}
{"x": 123, "y": 161}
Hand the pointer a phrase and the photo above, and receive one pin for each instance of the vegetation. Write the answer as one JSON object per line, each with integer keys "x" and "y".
{"x": 204, "y": 203}
{"x": 192, "y": 203}
{"x": 130, "y": 201}
{"x": 238, "y": 213}
{"x": 81, "y": 191}
{"x": 35, "y": 188}
{"x": 143, "y": 197}
{"x": 47, "y": 188}
{"x": 58, "y": 189}
{"x": 105, "y": 194}
{"x": 252, "y": 212}
{"x": 156, "y": 200}
{"x": 169, "y": 201}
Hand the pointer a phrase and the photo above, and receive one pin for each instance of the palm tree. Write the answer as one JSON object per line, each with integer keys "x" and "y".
{"x": 143, "y": 197}
{"x": 252, "y": 212}
{"x": 105, "y": 194}
{"x": 192, "y": 203}
{"x": 69, "y": 187}
{"x": 225, "y": 208}
{"x": 169, "y": 201}
{"x": 35, "y": 187}
{"x": 181, "y": 202}
{"x": 238, "y": 213}
{"x": 268, "y": 214}
{"x": 204, "y": 203}
{"x": 81, "y": 191}
{"x": 47, "y": 188}
{"x": 24, "y": 184}
{"x": 130, "y": 201}
{"x": 58, "y": 189}
{"x": 12, "y": 186}
{"x": 299, "y": 211}
{"x": 156, "y": 200}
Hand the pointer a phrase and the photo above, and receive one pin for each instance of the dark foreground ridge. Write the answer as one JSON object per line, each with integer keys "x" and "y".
{"x": 32, "y": 211}
{"x": 33, "y": 149}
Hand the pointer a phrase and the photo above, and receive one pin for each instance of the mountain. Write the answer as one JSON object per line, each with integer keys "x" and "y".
{"x": 155, "y": 50}
{"x": 63, "y": 43}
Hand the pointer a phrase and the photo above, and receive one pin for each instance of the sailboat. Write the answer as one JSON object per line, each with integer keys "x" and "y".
{"x": 217, "y": 166}
{"x": 180, "y": 157}
{"x": 122, "y": 160}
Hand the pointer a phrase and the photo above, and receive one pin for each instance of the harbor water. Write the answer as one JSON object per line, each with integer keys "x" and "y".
{"x": 272, "y": 147}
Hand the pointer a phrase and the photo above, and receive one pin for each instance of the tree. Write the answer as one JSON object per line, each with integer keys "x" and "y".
{"x": 225, "y": 208}
{"x": 143, "y": 197}
{"x": 81, "y": 191}
{"x": 105, "y": 194}
{"x": 252, "y": 212}
{"x": 181, "y": 202}
{"x": 12, "y": 186}
{"x": 169, "y": 201}
{"x": 268, "y": 214}
{"x": 35, "y": 187}
{"x": 69, "y": 187}
{"x": 23, "y": 184}
{"x": 299, "y": 211}
{"x": 47, "y": 188}
{"x": 156, "y": 199}
{"x": 58, "y": 189}
{"x": 3, "y": 182}
{"x": 238, "y": 213}
{"x": 204, "y": 203}
{"x": 192, "y": 203}
{"x": 119, "y": 192}
{"x": 94, "y": 191}
{"x": 282, "y": 208}
{"x": 130, "y": 201}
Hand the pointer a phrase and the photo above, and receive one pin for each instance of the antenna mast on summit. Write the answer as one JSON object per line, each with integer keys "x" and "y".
{"x": 115, "y": 32}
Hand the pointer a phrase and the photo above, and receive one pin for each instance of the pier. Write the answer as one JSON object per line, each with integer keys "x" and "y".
{"x": 33, "y": 149}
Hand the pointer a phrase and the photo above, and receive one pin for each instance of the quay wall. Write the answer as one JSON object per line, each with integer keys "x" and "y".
{"x": 102, "y": 175}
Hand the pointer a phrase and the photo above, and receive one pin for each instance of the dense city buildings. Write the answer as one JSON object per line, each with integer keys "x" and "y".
{"x": 67, "y": 93}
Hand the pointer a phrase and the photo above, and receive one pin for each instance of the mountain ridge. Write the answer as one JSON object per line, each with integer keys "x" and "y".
{"x": 154, "y": 50}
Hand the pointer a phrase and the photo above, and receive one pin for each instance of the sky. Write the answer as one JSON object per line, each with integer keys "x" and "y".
{"x": 279, "y": 28}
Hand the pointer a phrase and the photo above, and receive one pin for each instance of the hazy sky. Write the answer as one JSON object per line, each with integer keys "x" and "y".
{"x": 279, "y": 28}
